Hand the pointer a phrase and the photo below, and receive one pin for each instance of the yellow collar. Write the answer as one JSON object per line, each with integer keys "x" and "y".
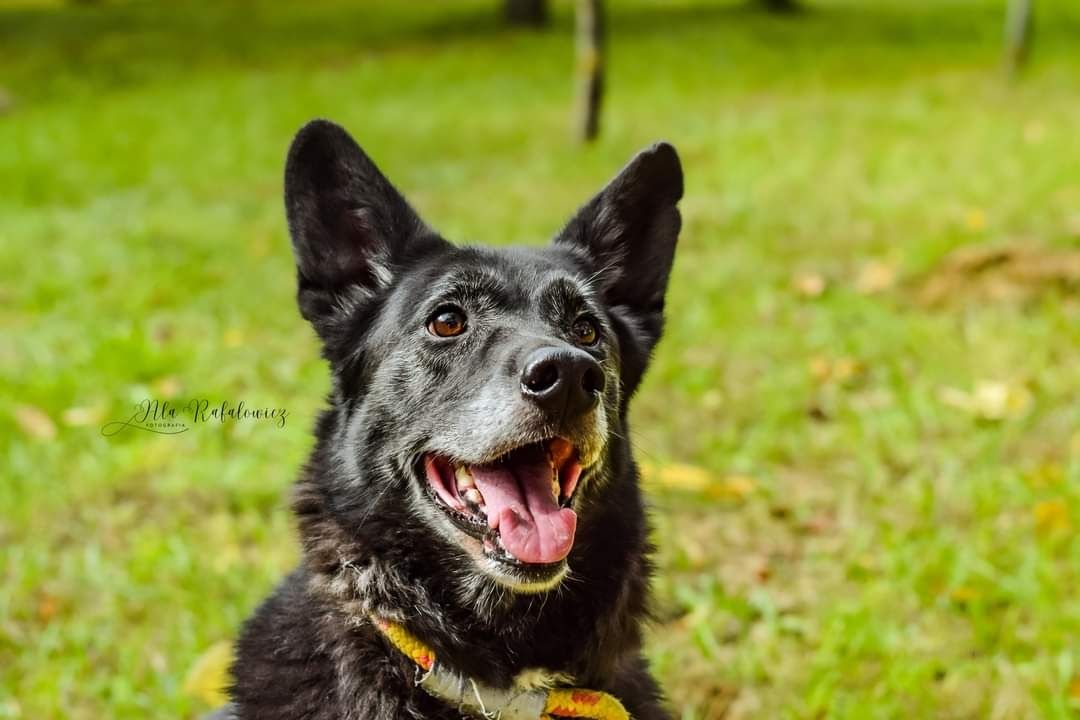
{"x": 488, "y": 702}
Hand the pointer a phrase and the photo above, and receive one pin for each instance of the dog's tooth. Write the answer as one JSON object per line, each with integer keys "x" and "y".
{"x": 472, "y": 495}
{"x": 556, "y": 488}
{"x": 464, "y": 478}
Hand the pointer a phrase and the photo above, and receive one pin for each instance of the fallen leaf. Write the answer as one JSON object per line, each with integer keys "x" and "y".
{"x": 233, "y": 337}
{"x": 47, "y": 608}
{"x": 35, "y": 422}
{"x": 762, "y": 571}
{"x": 1000, "y": 400}
{"x": 1045, "y": 475}
{"x": 989, "y": 400}
{"x": 818, "y": 524}
{"x": 809, "y": 284}
{"x": 82, "y": 416}
{"x": 1051, "y": 516}
{"x": 875, "y": 277}
{"x": 975, "y": 219}
{"x": 1034, "y": 132}
{"x": 679, "y": 477}
{"x": 846, "y": 368}
{"x": 163, "y": 332}
{"x": 964, "y": 594}
{"x": 209, "y": 676}
{"x": 732, "y": 487}
{"x": 872, "y": 399}
{"x": 167, "y": 387}
{"x": 691, "y": 478}
{"x": 158, "y": 661}
{"x": 712, "y": 400}
{"x": 820, "y": 368}
{"x": 841, "y": 369}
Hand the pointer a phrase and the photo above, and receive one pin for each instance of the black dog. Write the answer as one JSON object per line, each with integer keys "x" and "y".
{"x": 471, "y": 481}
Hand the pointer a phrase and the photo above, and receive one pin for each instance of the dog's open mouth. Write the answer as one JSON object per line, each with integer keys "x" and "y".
{"x": 518, "y": 506}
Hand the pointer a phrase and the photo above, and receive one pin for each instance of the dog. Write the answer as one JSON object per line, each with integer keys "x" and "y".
{"x": 471, "y": 488}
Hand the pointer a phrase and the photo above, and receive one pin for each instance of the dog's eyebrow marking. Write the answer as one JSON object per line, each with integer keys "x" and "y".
{"x": 563, "y": 295}
{"x": 481, "y": 291}
{"x": 472, "y": 285}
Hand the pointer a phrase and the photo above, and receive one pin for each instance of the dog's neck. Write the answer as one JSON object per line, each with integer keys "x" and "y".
{"x": 523, "y": 700}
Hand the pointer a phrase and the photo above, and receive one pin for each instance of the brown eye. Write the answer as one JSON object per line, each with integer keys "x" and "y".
{"x": 447, "y": 322}
{"x": 584, "y": 331}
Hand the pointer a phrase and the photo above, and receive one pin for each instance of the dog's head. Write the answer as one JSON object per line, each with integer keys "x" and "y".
{"x": 479, "y": 389}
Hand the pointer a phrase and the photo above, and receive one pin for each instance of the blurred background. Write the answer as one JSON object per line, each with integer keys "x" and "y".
{"x": 861, "y": 433}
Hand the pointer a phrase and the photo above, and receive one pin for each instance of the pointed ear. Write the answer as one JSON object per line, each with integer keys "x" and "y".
{"x": 351, "y": 229}
{"x": 627, "y": 236}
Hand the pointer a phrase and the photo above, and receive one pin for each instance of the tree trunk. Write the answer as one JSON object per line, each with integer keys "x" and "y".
{"x": 589, "y": 40}
{"x": 779, "y": 5}
{"x": 527, "y": 13}
{"x": 1017, "y": 35}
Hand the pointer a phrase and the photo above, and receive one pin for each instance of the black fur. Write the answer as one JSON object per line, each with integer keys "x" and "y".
{"x": 370, "y": 273}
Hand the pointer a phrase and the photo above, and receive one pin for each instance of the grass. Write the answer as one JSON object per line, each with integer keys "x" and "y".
{"x": 865, "y": 501}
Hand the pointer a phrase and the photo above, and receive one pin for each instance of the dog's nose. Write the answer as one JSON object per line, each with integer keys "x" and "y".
{"x": 563, "y": 381}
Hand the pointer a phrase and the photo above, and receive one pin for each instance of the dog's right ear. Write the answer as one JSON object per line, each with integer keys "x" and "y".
{"x": 351, "y": 229}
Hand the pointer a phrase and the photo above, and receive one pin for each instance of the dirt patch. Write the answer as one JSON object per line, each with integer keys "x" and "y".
{"x": 1014, "y": 272}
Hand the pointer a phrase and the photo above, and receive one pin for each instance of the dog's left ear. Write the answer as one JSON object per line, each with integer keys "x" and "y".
{"x": 627, "y": 234}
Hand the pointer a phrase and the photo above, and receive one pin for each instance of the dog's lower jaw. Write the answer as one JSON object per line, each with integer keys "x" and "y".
{"x": 515, "y": 583}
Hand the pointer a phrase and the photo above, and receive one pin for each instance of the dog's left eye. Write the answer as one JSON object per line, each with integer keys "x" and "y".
{"x": 584, "y": 330}
{"x": 447, "y": 322}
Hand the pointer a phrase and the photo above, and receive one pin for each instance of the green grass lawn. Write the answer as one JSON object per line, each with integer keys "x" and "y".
{"x": 863, "y": 436}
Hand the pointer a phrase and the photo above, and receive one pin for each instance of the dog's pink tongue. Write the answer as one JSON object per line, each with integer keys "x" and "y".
{"x": 520, "y": 503}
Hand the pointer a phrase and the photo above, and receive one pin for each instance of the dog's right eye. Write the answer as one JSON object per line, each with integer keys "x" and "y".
{"x": 447, "y": 321}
